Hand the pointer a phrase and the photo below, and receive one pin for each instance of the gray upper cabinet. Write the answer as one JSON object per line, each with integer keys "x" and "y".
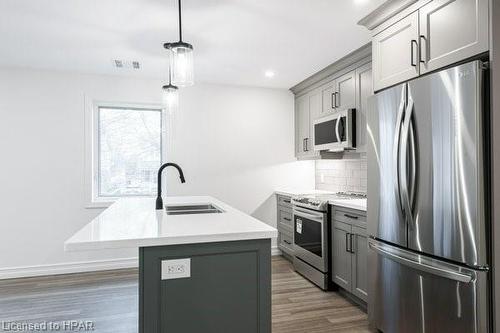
{"x": 307, "y": 108}
{"x": 395, "y": 53}
{"x": 328, "y": 92}
{"x": 425, "y": 36}
{"x": 345, "y": 97}
{"x": 342, "y": 85}
{"x": 301, "y": 125}
{"x": 452, "y": 30}
{"x": 364, "y": 89}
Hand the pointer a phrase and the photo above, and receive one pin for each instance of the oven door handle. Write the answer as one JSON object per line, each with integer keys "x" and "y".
{"x": 307, "y": 215}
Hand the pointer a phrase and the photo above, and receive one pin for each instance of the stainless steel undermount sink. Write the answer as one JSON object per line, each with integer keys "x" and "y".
{"x": 192, "y": 209}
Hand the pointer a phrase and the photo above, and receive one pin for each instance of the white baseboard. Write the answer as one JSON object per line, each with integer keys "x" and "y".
{"x": 67, "y": 268}
{"x": 275, "y": 251}
{"x": 78, "y": 267}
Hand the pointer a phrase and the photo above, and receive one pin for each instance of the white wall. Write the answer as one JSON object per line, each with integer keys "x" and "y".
{"x": 234, "y": 143}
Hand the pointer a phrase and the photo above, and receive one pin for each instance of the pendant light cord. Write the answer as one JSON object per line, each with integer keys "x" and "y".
{"x": 180, "y": 22}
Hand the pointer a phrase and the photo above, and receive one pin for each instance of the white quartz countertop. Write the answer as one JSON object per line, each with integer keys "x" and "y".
{"x": 134, "y": 222}
{"x": 359, "y": 204}
{"x": 298, "y": 191}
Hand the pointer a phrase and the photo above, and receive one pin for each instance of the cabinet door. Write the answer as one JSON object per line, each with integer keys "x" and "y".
{"x": 451, "y": 31}
{"x": 395, "y": 53}
{"x": 346, "y": 91}
{"x": 359, "y": 247}
{"x": 315, "y": 111}
{"x": 341, "y": 256}
{"x": 328, "y": 95}
{"x": 364, "y": 89}
{"x": 301, "y": 124}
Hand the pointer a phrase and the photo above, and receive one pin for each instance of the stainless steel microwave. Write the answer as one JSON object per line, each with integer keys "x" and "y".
{"x": 336, "y": 132}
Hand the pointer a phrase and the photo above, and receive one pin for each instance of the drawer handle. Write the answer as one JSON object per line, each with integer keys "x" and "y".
{"x": 288, "y": 242}
{"x": 287, "y": 219}
{"x": 351, "y": 216}
{"x": 286, "y": 201}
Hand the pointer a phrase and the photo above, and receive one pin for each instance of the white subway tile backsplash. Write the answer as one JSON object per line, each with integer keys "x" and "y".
{"x": 341, "y": 175}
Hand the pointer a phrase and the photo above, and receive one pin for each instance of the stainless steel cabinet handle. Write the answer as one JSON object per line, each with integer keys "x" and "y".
{"x": 304, "y": 145}
{"x": 307, "y": 144}
{"x": 332, "y": 100}
{"x": 287, "y": 201}
{"x": 412, "y": 50}
{"x": 351, "y": 216}
{"x": 422, "y": 56}
{"x": 288, "y": 242}
{"x": 350, "y": 243}
{"x": 337, "y": 98}
{"x": 287, "y": 219}
{"x": 347, "y": 242}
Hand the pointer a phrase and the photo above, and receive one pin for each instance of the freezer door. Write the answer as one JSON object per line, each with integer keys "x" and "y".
{"x": 412, "y": 293}
{"x": 443, "y": 142}
{"x": 384, "y": 124}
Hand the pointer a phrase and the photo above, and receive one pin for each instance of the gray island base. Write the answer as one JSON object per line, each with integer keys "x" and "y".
{"x": 198, "y": 273}
{"x": 228, "y": 290}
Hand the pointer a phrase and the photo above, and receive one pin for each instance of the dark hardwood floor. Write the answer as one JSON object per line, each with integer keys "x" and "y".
{"x": 110, "y": 299}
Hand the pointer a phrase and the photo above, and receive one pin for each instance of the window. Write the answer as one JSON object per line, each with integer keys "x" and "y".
{"x": 127, "y": 151}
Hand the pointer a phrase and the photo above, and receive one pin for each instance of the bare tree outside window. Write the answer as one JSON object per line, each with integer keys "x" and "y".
{"x": 130, "y": 151}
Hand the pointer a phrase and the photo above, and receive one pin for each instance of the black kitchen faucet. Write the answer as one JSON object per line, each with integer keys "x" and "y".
{"x": 159, "y": 200}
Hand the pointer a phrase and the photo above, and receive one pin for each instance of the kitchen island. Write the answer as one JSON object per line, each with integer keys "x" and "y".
{"x": 204, "y": 266}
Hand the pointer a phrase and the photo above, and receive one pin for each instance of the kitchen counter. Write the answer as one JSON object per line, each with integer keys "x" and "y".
{"x": 134, "y": 222}
{"x": 295, "y": 192}
{"x": 208, "y": 272}
{"x": 359, "y": 204}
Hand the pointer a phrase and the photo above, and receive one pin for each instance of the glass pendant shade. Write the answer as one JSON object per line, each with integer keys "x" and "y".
{"x": 182, "y": 64}
{"x": 170, "y": 97}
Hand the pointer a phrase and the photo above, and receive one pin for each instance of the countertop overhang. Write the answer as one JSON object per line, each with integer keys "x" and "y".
{"x": 134, "y": 222}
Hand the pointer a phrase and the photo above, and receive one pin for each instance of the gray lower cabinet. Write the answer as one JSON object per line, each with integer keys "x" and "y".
{"x": 341, "y": 256}
{"x": 228, "y": 288}
{"x": 285, "y": 226}
{"x": 349, "y": 251}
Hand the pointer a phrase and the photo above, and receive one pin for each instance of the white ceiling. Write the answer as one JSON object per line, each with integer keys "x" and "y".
{"x": 235, "y": 41}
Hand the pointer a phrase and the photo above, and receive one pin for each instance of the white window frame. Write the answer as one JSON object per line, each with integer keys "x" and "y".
{"x": 92, "y": 198}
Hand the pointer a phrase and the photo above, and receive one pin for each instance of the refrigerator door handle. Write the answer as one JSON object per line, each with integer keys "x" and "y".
{"x": 396, "y": 146}
{"x": 414, "y": 166}
{"x": 420, "y": 263}
{"x": 406, "y": 202}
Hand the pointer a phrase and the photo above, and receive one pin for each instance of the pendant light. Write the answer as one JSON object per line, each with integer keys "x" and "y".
{"x": 170, "y": 93}
{"x": 181, "y": 59}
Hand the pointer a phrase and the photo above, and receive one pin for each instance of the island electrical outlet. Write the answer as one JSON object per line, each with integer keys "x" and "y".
{"x": 175, "y": 269}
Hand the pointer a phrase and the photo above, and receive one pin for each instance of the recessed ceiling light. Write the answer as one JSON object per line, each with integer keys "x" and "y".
{"x": 269, "y": 73}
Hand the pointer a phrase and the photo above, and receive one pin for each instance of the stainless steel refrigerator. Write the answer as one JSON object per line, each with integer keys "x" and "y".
{"x": 427, "y": 204}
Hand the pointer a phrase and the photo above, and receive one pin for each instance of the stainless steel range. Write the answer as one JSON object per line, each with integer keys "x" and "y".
{"x": 312, "y": 235}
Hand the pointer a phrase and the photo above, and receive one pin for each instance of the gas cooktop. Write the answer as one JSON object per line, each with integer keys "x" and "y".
{"x": 320, "y": 201}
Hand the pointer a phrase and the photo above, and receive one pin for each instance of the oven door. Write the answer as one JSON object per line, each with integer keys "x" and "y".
{"x": 310, "y": 237}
